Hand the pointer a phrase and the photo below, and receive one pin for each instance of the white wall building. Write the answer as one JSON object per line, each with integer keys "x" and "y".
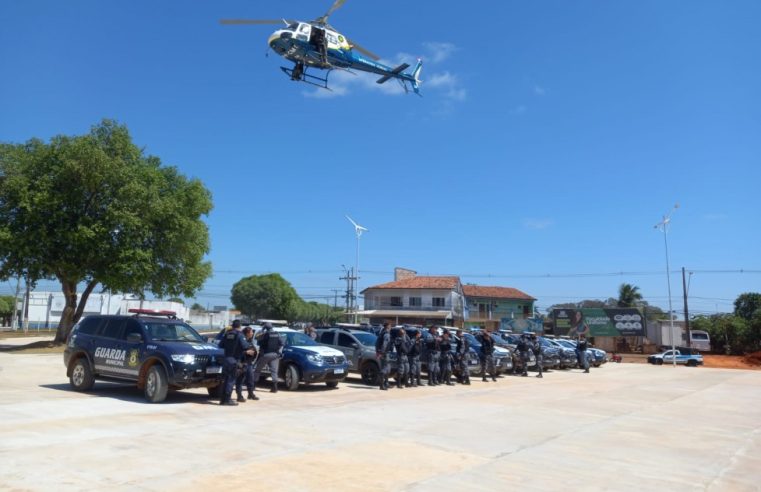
{"x": 46, "y": 308}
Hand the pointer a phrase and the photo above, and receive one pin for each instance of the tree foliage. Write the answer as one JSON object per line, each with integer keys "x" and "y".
{"x": 197, "y": 307}
{"x": 94, "y": 209}
{"x": 272, "y": 297}
{"x": 748, "y": 305}
{"x": 628, "y": 296}
{"x": 735, "y": 333}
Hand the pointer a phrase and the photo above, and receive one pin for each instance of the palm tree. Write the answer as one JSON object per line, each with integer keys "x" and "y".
{"x": 628, "y": 295}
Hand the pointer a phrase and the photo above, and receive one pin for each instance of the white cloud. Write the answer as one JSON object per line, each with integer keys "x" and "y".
{"x": 537, "y": 224}
{"x": 438, "y": 52}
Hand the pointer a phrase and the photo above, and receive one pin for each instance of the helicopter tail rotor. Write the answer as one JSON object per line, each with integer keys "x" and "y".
{"x": 416, "y": 76}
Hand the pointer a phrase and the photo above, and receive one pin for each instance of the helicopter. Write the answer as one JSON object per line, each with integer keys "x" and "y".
{"x": 318, "y": 45}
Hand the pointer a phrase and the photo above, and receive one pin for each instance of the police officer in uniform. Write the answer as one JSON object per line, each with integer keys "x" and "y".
{"x": 523, "y": 347}
{"x": 463, "y": 348}
{"x": 536, "y": 347}
{"x": 235, "y": 346}
{"x": 487, "y": 357}
{"x": 270, "y": 352}
{"x": 247, "y": 372}
{"x": 416, "y": 348}
{"x": 383, "y": 348}
{"x": 402, "y": 348}
{"x": 445, "y": 359}
{"x": 432, "y": 349}
{"x": 581, "y": 353}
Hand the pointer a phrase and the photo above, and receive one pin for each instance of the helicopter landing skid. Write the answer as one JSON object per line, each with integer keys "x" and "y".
{"x": 299, "y": 74}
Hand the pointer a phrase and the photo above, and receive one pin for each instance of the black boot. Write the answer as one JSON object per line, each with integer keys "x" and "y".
{"x": 252, "y": 396}
{"x": 241, "y": 399}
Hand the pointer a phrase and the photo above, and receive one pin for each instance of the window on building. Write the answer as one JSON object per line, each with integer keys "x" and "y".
{"x": 395, "y": 301}
{"x": 416, "y": 301}
{"x": 439, "y": 302}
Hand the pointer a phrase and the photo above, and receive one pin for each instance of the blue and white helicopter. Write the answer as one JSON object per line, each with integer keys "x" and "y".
{"x": 316, "y": 44}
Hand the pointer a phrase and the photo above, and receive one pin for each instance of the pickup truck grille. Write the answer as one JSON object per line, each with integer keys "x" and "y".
{"x": 334, "y": 359}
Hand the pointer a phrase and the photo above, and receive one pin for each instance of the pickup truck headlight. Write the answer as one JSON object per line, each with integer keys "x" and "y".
{"x": 315, "y": 359}
{"x": 184, "y": 358}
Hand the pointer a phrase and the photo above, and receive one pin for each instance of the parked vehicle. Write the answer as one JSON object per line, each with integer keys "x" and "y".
{"x": 681, "y": 356}
{"x": 512, "y": 340}
{"x": 567, "y": 355}
{"x": 503, "y": 357}
{"x": 700, "y": 340}
{"x": 305, "y": 360}
{"x": 151, "y": 348}
{"x": 596, "y": 357}
{"x": 358, "y": 347}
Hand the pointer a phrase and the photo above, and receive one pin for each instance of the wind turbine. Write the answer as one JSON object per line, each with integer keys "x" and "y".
{"x": 358, "y": 230}
{"x": 664, "y": 226}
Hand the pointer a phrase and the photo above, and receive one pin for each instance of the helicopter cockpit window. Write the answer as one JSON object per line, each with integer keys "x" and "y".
{"x": 304, "y": 28}
{"x": 293, "y": 25}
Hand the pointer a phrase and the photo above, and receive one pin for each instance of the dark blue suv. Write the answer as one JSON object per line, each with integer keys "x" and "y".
{"x": 155, "y": 351}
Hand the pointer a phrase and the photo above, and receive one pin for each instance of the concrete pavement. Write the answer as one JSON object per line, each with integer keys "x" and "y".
{"x": 622, "y": 427}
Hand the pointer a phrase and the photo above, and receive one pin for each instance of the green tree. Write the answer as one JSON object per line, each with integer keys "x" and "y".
{"x": 628, "y": 296}
{"x": 197, "y": 307}
{"x": 176, "y": 299}
{"x": 265, "y": 296}
{"x": 94, "y": 209}
{"x": 748, "y": 305}
{"x": 6, "y": 309}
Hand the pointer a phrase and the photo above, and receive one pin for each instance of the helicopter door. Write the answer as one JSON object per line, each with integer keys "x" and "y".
{"x": 303, "y": 32}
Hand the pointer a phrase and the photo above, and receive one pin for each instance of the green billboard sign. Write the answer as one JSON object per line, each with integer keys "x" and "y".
{"x": 599, "y": 322}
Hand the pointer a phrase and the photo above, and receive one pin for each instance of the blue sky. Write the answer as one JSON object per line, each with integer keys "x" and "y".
{"x": 551, "y": 137}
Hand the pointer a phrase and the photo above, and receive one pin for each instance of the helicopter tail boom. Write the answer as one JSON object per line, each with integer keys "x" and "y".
{"x": 398, "y": 73}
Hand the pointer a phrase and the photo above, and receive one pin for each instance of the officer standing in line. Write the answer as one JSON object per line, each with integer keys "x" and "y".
{"x": 523, "y": 347}
{"x": 235, "y": 346}
{"x": 581, "y": 353}
{"x": 432, "y": 348}
{"x": 463, "y": 349}
{"x": 416, "y": 348}
{"x": 383, "y": 348}
{"x": 445, "y": 359}
{"x": 270, "y": 352}
{"x": 536, "y": 347}
{"x": 247, "y": 374}
{"x": 402, "y": 347}
{"x": 487, "y": 357}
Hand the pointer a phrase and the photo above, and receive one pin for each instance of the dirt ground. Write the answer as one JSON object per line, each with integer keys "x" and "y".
{"x": 732, "y": 361}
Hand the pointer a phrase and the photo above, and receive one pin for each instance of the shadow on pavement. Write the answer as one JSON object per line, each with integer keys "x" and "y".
{"x": 130, "y": 393}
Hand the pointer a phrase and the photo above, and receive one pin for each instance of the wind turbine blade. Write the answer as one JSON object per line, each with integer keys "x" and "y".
{"x": 352, "y": 222}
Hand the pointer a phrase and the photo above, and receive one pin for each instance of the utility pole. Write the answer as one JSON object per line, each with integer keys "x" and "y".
{"x": 335, "y": 299}
{"x": 350, "y": 278}
{"x": 26, "y": 306}
{"x": 686, "y": 312}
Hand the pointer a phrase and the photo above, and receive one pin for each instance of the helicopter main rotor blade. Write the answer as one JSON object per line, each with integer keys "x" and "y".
{"x": 251, "y": 21}
{"x": 362, "y": 50}
{"x": 324, "y": 18}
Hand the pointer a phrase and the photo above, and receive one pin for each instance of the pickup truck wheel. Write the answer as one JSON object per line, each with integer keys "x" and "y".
{"x": 81, "y": 378}
{"x": 291, "y": 378}
{"x": 692, "y": 363}
{"x": 370, "y": 372}
{"x": 215, "y": 391}
{"x": 658, "y": 362}
{"x": 331, "y": 384}
{"x": 156, "y": 386}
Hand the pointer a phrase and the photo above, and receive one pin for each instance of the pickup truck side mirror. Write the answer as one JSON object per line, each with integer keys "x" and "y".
{"x": 355, "y": 345}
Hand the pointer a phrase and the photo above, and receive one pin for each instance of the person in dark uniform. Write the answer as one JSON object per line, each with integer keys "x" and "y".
{"x": 487, "y": 355}
{"x": 402, "y": 348}
{"x": 463, "y": 348}
{"x": 247, "y": 374}
{"x": 383, "y": 348}
{"x": 445, "y": 359}
{"x": 432, "y": 349}
{"x": 536, "y": 347}
{"x": 416, "y": 349}
{"x": 270, "y": 352}
{"x": 235, "y": 346}
{"x": 581, "y": 353}
{"x": 523, "y": 347}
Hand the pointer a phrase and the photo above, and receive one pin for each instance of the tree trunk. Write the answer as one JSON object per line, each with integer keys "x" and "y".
{"x": 69, "y": 289}
{"x": 73, "y": 310}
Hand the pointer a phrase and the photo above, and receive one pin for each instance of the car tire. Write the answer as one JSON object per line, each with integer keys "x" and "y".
{"x": 81, "y": 378}
{"x": 156, "y": 386}
{"x": 658, "y": 362}
{"x": 331, "y": 384}
{"x": 370, "y": 373}
{"x": 215, "y": 391}
{"x": 692, "y": 363}
{"x": 291, "y": 377}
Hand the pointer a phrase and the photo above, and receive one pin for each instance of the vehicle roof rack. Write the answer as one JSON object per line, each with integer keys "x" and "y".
{"x": 153, "y": 312}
